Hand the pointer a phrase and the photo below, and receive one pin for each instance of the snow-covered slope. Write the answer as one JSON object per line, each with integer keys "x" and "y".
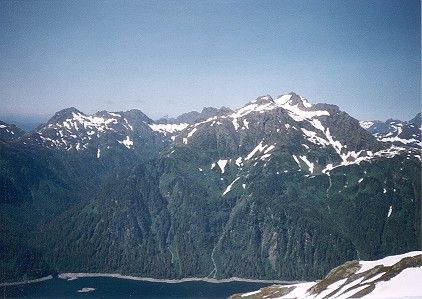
{"x": 396, "y": 276}
{"x": 400, "y": 133}
{"x": 71, "y": 129}
{"x": 171, "y": 127}
{"x": 317, "y": 137}
{"x": 259, "y": 129}
{"x": 103, "y": 133}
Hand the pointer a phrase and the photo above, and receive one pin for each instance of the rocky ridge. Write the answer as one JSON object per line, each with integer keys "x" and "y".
{"x": 391, "y": 277}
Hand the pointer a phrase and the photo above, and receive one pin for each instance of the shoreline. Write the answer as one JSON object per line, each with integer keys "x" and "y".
{"x": 8, "y": 284}
{"x": 72, "y": 276}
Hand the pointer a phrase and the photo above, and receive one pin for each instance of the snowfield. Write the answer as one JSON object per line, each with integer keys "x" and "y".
{"x": 398, "y": 276}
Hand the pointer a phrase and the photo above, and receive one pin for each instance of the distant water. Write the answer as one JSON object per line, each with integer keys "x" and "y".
{"x": 109, "y": 287}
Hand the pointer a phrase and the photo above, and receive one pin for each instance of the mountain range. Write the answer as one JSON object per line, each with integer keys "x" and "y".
{"x": 277, "y": 189}
{"x": 396, "y": 131}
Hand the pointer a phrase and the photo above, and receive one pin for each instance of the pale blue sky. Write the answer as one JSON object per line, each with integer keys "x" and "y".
{"x": 169, "y": 57}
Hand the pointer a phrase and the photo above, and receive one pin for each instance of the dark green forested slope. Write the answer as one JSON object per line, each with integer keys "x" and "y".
{"x": 261, "y": 193}
{"x": 167, "y": 220}
{"x": 36, "y": 186}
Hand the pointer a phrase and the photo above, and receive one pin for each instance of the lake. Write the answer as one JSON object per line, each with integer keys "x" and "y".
{"x": 109, "y": 287}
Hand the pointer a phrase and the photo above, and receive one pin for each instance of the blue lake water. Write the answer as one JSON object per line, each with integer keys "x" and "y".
{"x": 108, "y": 287}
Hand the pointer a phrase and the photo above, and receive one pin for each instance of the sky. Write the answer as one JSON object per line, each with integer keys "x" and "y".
{"x": 170, "y": 57}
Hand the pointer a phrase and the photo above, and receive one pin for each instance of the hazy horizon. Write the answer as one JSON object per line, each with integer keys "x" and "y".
{"x": 168, "y": 58}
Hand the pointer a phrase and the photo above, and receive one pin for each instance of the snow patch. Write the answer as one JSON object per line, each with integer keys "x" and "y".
{"x": 375, "y": 277}
{"x": 300, "y": 290}
{"x": 258, "y": 148}
{"x": 400, "y": 140}
{"x": 127, "y": 142}
{"x": 332, "y": 287}
{"x": 283, "y": 100}
{"x": 405, "y": 284}
{"x": 387, "y": 261}
{"x": 185, "y": 140}
{"x": 229, "y": 187}
{"x": 252, "y": 107}
{"x": 297, "y": 113}
{"x": 168, "y": 128}
{"x": 86, "y": 290}
{"x": 192, "y": 132}
{"x": 268, "y": 149}
{"x": 222, "y": 164}
{"x": 246, "y": 124}
{"x": 366, "y": 124}
{"x": 251, "y": 293}
{"x": 296, "y": 159}
{"x": 390, "y": 211}
{"x": 314, "y": 138}
{"x": 235, "y": 124}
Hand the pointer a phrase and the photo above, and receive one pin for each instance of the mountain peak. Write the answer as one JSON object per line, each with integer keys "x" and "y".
{"x": 67, "y": 111}
{"x": 207, "y": 110}
{"x": 293, "y": 99}
{"x": 224, "y": 110}
{"x": 64, "y": 114}
{"x": 262, "y": 100}
{"x": 416, "y": 120}
{"x": 137, "y": 115}
{"x": 195, "y": 116}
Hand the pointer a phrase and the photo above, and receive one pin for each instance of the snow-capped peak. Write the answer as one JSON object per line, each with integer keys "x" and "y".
{"x": 72, "y": 129}
{"x": 397, "y": 132}
{"x": 292, "y": 99}
{"x": 298, "y": 107}
{"x": 262, "y": 100}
